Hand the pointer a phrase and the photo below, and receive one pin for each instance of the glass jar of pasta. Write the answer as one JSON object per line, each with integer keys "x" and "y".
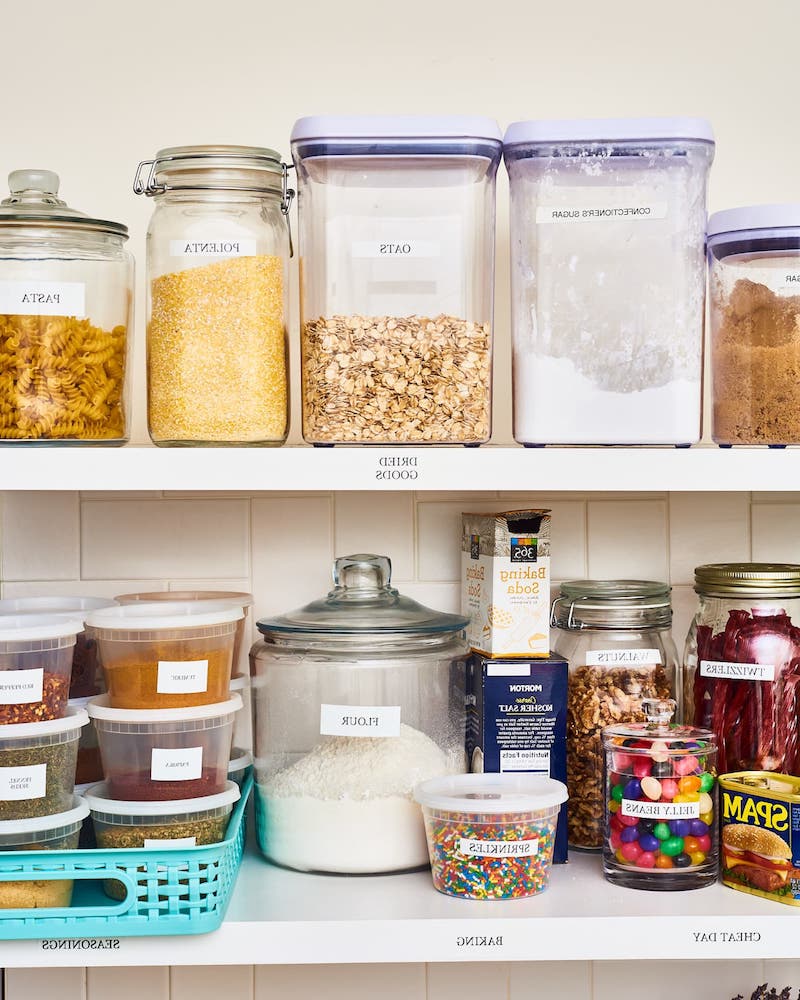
{"x": 217, "y": 251}
{"x": 66, "y": 308}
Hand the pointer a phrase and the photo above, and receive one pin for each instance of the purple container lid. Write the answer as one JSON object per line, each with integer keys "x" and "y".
{"x": 750, "y": 217}
{"x": 608, "y": 130}
{"x": 323, "y": 127}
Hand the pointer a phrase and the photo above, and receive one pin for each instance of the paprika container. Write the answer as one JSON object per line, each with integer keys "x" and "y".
{"x": 217, "y": 252}
{"x": 616, "y": 636}
{"x": 742, "y": 664}
{"x": 396, "y": 222}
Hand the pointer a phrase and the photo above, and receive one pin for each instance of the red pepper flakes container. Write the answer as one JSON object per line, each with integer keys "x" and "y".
{"x": 35, "y": 666}
{"x": 742, "y": 664}
{"x": 660, "y": 803}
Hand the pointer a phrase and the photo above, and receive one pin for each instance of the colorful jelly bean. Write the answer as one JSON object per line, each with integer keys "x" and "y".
{"x": 706, "y": 782}
{"x": 662, "y": 831}
{"x": 633, "y": 790}
{"x": 672, "y": 846}
{"x": 651, "y": 788}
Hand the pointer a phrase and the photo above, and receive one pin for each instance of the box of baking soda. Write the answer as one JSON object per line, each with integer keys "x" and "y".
{"x": 505, "y": 582}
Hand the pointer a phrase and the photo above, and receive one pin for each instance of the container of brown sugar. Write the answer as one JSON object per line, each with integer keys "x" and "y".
{"x": 754, "y": 263}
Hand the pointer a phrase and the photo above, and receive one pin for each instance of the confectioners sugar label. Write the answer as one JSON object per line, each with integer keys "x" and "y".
{"x": 525, "y": 760}
{"x": 601, "y": 213}
{"x": 183, "y": 764}
{"x": 622, "y": 657}
{"x": 23, "y": 782}
{"x": 177, "y": 842}
{"x": 43, "y": 298}
{"x": 644, "y": 809}
{"x": 359, "y": 720}
{"x": 394, "y": 248}
{"x": 182, "y": 676}
{"x": 738, "y": 671}
{"x": 219, "y": 247}
{"x": 21, "y": 687}
{"x": 468, "y": 847}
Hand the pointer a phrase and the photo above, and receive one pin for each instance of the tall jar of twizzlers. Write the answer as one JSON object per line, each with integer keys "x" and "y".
{"x": 616, "y": 636}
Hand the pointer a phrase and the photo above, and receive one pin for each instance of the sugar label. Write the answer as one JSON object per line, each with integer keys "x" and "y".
{"x": 525, "y": 760}
{"x": 659, "y": 810}
{"x": 622, "y": 657}
{"x": 169, "y": 844}
{"x": 359, "y": 720}
{"x": 23, "y": 782}
{"x": 43, "y": 298}
{"x": 220, "y": 247}
{"x": 601, "y": 213}
{"x": 21, "y": 687}
{"x": 738, "y": 671}
{"x": 182, "y": 676}
{"x": 468, "y": 847}
{"x": 184, "y": 764}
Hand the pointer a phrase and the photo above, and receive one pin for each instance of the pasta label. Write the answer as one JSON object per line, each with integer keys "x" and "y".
{"x": 43, "y": 298}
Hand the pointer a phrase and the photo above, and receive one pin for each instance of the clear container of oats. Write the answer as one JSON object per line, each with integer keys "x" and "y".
{"x": 396, "y": 219}
{"x": 616, "y": 636}
{"x": 217, "y": 251}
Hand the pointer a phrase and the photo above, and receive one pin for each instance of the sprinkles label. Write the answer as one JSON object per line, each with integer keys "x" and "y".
{"x": 498, "y": 848}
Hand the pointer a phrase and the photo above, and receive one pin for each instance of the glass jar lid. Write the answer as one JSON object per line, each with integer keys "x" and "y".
{"x": 659, "y": 733}
{"x": 362, "y": 603}
{"x": 211, "y": 168}
{"x": 748, "y": 580}
{"x": 612, "y": 604}
{"x": 34, "y": 201}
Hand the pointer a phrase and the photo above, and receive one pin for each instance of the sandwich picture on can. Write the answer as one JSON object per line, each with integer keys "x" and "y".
{"x": 758, "y": 859}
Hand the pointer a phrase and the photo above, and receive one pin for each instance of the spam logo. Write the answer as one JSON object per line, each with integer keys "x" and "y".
{"x": 738, "y": 807}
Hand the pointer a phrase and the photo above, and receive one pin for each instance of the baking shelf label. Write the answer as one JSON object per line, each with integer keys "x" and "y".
{"x": 622, "y": 657}
{"x": 219, "y": 247}
{"x": 23, "y": 782}
{"x": 659, "y": 810}
{"x": 468, "y": 847}
{"x": 359, "y": 720}
{"x": 184, "y": 764}
{"x": 525, "y": 760}
{"x": 43, "y": 298}
{"x": 601, "y": 213}
{"x": 157, "y": 845}
{"x": 738, "y": 671}
{"x": 182, "y": 676}
{"x": 21, "y": 687}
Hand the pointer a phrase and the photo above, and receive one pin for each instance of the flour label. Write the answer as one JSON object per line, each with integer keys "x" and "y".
{"x": 184, "y": 764}
{"x": 182, "y": 676}
{"x": 177, "y": 842}
{"x": 525, "y": 760}
{"x": 23, "y": 782}
{"x": 738, "y": 671}
{"x": 221, "y": 246}
{"x": 659, "y": 810}
{"x": 43, "y": 298}
{"x": 601, "y": 212}
{"x": 359, "y": 720}
{"x": 21, "y": 687}
{"x": 471, "y": 848}
{"x": 622, "y": 657}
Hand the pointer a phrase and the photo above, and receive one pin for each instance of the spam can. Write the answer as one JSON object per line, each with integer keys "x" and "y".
{"x": 761, "y": 834}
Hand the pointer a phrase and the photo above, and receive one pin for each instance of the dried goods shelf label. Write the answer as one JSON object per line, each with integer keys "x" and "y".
{"x": 659, "y": 810}
{"x": 23, "y": 782}
{"x": 219, "y": 247}
{"x": 622, "y": 657}
{"x": 43, "y": 298}
{"x": 183, "y": 764}
{"x": 471, "y": 848}
{"x": 152, "y": 844}
{"x": 601, "y": 212}
{"x": 21, "y": 687}
{"x": 182, "y": 676}
{"x": 359, "y": 720}
{"x": 525, "y": 760}
{"x": 738, "y": 671}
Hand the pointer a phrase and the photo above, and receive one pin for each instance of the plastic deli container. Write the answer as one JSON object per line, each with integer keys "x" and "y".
{"x": 240, "y": 765}
{"x": 48, "y": 833}
{"x": 89, "y": 768}
{"x": 159, "y": 754}
{"x": 35, "y": 665}
{"x": 37, "y": 766}
{"x": 754, "y": 272}
{"x": 243, "y": 726}
{"x": 87, "y": 678}
{"x": 236, "y": 599}
{"x": 608, "y": 222}
{"x": 490, "y": 836}
{"x": 171, "y": 654}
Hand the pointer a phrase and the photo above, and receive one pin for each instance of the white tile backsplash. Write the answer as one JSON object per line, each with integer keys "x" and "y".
{"x": 40, "y": 536}
{"x": 380, "y": 523}
{"x": 211, "y": 982}
{"x": 707, "y": 528}
{"x": 46, "y": 984}
{"x": 468, "y": 981}
{"x": 673, "y": 979}
{"x": 128, "y": 983}
{"x": 776, "y": 532}
{"x": 331, "y": 982}
{"x": 627, "y": 539}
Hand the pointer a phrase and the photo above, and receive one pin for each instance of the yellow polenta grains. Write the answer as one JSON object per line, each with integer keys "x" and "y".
{"x": 216, "y": 364}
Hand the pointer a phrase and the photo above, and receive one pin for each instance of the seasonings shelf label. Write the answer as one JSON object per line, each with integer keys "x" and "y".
{"x": 601, "y": 212}
{"x": 23, "y": 782}
{"x": 738, "y": 671}
{"x": 359, "y": 720}
{"x": 21, "y": 687}
{"x": 182, "y": 676}
{"x": 184, "y": 764}
{"x": 43, "y": 298}
{"x": 219, "y": 247}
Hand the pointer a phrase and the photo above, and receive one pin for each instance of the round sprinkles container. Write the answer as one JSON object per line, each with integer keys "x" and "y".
{"x": 490, "y": 836}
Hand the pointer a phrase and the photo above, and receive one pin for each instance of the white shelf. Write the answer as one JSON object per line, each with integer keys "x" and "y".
{"x": 375, "y": 468}
{"x": 282, "y": 917}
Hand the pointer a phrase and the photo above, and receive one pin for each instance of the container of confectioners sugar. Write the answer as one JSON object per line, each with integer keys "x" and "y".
{"x": 608, "y": 279}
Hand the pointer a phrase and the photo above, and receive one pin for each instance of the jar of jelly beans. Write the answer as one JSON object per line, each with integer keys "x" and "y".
{"x": 660, "y": 803}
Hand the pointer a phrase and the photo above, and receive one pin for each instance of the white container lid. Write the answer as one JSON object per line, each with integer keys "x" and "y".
{"x": 491, "y": 794}
{"x": 735, "y": 220}
{"x": 98, "y": 708}
{"x": 100, "y": 801}
{"x": 75, "y": 718}
{"x": 20, "y": 628}
{"x": 608, "y": 130}
{"x": 396, "y": 127}
{"x": 147, "y": 617}
{"x": 234, "y": 598}
{"x": 73, "y": 607}
{"x": 241, "y": 760}
{"x": 78, "y": 813}
{"x": 239, "y": 682}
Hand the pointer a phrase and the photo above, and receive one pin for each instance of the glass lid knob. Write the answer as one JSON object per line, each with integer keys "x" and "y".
{"x": 45, "y": 181}
{"x": 362, "y": 571}
{"x": 659, "y": 711}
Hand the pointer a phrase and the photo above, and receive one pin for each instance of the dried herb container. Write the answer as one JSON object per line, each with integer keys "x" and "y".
{"x": 35, "y": 665}
{"x": 89, "y": 768}
{"x": 240, "y": 766}
{"x": 37, "y": 766}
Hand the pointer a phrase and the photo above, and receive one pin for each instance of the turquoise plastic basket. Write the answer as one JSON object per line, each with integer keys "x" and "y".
{"x": 169, "y": 892}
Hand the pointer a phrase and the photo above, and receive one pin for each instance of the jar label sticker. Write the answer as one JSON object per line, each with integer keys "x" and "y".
{"x": 23, "y": 782}
{"x": 525, "y": 760}
{"x": 220, "y": 247}
{"x": 394, "y": 248}
{"x": 622, "y": 657}
{"x": 469, "y": 847}
{"x": 182, "y": 676}
{"x": 359, "y": 720}
{"x": 21, "y": 687}
{"x": 43, "y": 298}
{"x": 183, "y": 764}
{"x": 601, "y": 212}
{"x": 659, "y": 810}
{"x": 777, "y": 273}
{"x": 738, "y": 671}
{"x": 177, "y": 842}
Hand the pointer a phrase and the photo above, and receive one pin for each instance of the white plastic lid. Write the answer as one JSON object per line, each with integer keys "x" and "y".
{"x": 241, "y": 760}
{"x": 608, "y": 130}
{"x": 80, "y": 702}
{"x": 239, "y": 682}
{"x": 396, "y": 127}
{"x": 98, "y": 708}
{"x": 75, "y": 718}
{"x": 99, "y": 800}
{"x": 78, "y": 813}
{"x": 73, "y": 607}
{"x": 234, "y": 598}
{"x": 491, "y": 793}
{"x": 20, "y": 628}
{"x": 165, "y": 615}
{"x": 733, "y": 220}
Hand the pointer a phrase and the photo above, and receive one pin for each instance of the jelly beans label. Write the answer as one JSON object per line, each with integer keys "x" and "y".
{"x": 43, "y": 298}
{"x": 620, "y": 657}
{"x": 359, "y": 720}
{"x": 21, "y": 687}
{"x": 470, "y": 848}
{"x": 177, "y": 842}
{"x": 182, "y": 676}
{"x": 738, "y": 671}
{"x": 23, "y": 782}
{"x": 220, "y": 247}
{"x": 183, "y": 764}
{"x": 659, "y": 810}
{"x": 601, "y": 212}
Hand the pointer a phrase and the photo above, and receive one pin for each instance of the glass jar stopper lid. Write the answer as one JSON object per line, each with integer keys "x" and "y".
{"x": 670, "y": 737}
{"x": 610, "y": 604}
{"x": 748, "y": 579}
{"x": 34, "y": 201}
